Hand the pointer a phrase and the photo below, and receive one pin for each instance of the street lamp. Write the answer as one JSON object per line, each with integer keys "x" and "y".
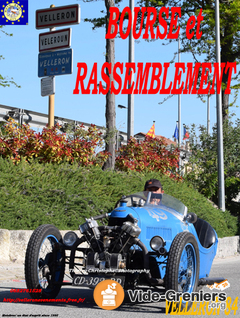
{"x": 121, "y": 106}
{"x": 119, "y": 136}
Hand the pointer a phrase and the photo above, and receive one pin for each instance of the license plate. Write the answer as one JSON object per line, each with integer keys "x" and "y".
{"x": 92, "y": 281}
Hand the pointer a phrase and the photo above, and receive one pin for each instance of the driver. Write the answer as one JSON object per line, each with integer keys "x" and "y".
{"x": 155, "y": 186}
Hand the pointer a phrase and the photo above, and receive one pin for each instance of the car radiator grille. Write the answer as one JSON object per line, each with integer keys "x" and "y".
{"x": 165, "y": 233}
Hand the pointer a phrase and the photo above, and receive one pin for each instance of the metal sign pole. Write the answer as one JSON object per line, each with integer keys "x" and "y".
{"x": 50, "y": 18}
{"x": 51, "y": 98}
{"x": 51, "y": 111}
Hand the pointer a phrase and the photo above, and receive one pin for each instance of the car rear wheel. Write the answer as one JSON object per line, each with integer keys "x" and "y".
{"x": 45, "y": 262}
{"x": 182, "y": 272}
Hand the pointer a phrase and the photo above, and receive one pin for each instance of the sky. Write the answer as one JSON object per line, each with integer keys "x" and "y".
{"x": 20, "y": 62}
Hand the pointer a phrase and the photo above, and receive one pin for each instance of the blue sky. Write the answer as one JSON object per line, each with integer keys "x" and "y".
{"x": 21, "y": 63}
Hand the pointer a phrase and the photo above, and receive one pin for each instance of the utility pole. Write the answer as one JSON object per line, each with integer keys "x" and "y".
{"x": 208, "y": 115}
{"x": 130, "y": 126}
{"x": 179, "y": 114}
{"x": 221, "y": 186}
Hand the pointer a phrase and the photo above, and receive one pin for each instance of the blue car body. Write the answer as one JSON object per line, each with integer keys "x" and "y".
{"x": 167, "y": 219}
{"x": 150, "y": 239}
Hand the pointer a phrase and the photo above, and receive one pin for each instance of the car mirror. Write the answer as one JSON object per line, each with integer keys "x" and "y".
{"x": 191, "y": 217}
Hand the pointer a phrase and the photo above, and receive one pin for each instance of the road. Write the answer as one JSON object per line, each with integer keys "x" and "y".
{"x": 227, "y": 268}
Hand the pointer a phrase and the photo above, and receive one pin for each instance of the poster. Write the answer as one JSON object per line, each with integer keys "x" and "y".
{"x": 21, "y": 63}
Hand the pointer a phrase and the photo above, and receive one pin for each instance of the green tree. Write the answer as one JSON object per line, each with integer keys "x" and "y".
{"x": 202, "y": 166}
{"x": 204, "y": 47}
{"x": 5, "y": 81}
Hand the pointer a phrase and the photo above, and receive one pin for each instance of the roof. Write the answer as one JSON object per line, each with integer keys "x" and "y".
{"x": 166, "y": 140}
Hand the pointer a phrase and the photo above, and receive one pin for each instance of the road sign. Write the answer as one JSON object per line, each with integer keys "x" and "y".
{"x": 55, "y": 63}
{"x": 53, "y": 40}
{"x": 57, "y": 16}
{"x": 48, "y": 86}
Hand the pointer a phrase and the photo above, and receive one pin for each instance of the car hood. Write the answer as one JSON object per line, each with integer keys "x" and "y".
{"x": 154, "y": 220}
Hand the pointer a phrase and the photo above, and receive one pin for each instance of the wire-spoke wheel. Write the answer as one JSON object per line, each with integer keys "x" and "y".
{"x": 45, "y": 262}
{"x": 182, "y": 273}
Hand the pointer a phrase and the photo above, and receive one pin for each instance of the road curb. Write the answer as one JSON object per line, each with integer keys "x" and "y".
{"x": 13, "y": 245}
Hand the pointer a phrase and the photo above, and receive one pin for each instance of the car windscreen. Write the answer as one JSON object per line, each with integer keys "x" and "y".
{"x": 163, "y": 199}
{"x": 144, "y": 198}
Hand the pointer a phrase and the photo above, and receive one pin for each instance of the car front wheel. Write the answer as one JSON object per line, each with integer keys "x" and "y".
{"x": 44, "y": 262}
{"x": 182, "y": 272}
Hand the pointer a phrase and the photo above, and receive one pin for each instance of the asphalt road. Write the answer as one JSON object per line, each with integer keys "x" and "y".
{"x": 21, "y": 307}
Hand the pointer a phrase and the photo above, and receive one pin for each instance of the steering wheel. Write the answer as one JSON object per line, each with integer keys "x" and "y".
{"x": 131, "y": 200}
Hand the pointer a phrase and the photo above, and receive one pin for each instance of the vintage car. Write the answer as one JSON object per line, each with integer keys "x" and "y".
{"x": 149, "y": 239}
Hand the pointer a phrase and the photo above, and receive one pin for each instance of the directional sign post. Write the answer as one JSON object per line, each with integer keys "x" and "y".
{"x": 57, "y": 16}
{"x": 60, "y": 39}
{"x": 55, "y": 63}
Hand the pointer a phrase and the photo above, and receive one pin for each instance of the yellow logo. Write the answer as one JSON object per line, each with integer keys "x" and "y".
{"x": 108, "y": 294}
{"x": 220, "y": 286}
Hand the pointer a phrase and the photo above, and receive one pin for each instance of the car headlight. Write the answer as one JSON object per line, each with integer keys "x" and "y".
{"x": 70, "y": 238}
{"x": 157, "y": 244}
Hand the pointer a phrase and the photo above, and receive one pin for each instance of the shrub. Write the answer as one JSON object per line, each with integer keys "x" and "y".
{"x": 51, "y": 145}
{"x": 148, "y": 155}
{"x": 65, "y": 195}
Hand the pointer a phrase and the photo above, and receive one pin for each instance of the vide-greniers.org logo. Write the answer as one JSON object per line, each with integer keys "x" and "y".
{"x": 171, "y": 295}
{"x": 109, "y": 295}
{"x": 202, "y": 302}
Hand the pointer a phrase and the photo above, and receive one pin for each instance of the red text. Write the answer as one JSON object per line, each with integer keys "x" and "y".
{"x": 153, "y": 78}
{"x": 153, "y": 18}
